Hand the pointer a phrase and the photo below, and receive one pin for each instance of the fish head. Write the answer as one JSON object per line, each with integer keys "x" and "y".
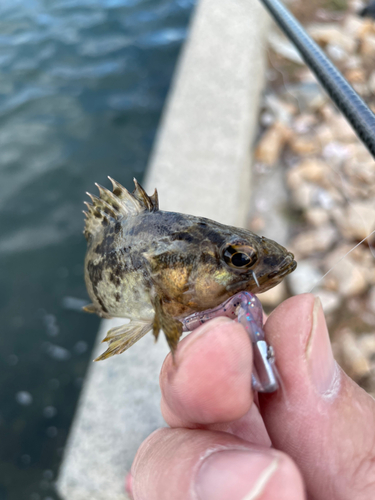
{"x": 238, "y": 260}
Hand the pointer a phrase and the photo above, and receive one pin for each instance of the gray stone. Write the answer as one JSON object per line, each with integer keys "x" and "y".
{"x": 283, "y": 47}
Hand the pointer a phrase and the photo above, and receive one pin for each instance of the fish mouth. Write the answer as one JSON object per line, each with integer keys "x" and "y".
{"x": 286, "y": 266}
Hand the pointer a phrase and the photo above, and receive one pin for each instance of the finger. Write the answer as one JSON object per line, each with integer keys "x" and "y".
{"x": 210, "y": 381}
{"x": 322, "y": 419}
{"x": 183, "y": 464}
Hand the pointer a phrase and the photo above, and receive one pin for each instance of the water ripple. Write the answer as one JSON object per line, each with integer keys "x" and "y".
{"x": 102, "y": 46}
{"x": 81, "y": 91}
{"x": 162, "y": 37}
{"x": 98, "y": 70}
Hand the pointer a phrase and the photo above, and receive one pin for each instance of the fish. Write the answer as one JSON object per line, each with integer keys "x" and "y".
{"x": 156, "y": 267}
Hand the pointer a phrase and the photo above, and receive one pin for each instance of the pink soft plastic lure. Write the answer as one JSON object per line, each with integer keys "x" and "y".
{"x": 247, "y": 309}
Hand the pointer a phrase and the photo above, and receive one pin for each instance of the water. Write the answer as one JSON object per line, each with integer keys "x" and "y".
{"x": 82, "y": 85}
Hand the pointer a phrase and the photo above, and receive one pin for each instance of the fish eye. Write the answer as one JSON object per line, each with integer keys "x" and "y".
{"x": 239, "y": 256}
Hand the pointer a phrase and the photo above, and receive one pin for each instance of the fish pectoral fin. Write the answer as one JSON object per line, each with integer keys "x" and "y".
{"x": 171, "y": 327}
{"x": 90, "y": 308}
{"x": 122, "y": 337}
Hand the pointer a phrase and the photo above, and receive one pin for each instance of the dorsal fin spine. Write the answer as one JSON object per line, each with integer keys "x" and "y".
{"x": 117, "y": 205}
{"x": 155, "y": 200}
{"x": 103, "y": 206}
{"x": 142, "y": 196}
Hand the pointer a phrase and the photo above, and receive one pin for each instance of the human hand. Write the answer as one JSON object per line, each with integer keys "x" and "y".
{"x": 321, "y": 424}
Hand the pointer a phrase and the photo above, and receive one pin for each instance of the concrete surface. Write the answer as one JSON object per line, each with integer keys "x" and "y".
{"x": 200, "y": 165}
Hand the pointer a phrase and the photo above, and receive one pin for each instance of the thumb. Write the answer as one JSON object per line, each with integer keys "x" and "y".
{"x": 321, "y": 418}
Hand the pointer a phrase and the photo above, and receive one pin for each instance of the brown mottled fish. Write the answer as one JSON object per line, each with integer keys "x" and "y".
{"x": 156, "y": 267}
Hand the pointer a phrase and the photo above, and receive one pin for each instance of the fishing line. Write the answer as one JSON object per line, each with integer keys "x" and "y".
{"x": 285, "y": 80}
{"x": 342, "y": 258}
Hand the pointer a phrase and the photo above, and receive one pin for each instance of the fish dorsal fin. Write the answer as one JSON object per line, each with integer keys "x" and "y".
{"x": 117, "y": 205}
{"x": 150, "y": 203}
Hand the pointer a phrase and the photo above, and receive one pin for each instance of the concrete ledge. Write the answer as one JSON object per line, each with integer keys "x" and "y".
{"x": 201, "y": 159}
{"x": 200, "y": 165}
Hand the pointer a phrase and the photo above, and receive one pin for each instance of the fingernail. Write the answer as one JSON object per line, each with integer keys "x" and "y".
{"x": 235, "y": 474}
{"x": 190, "y": 339}
{"x": 319, "y": 354}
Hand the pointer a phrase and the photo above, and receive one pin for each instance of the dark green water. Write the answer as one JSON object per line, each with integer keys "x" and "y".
{"x": 82, "y": 85}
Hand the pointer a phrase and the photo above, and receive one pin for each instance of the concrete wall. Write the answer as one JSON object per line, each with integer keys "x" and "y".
{"x": 200, "y": 165}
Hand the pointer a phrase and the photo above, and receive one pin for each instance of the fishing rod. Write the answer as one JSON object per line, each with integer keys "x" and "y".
{"x": 356, "y": 111}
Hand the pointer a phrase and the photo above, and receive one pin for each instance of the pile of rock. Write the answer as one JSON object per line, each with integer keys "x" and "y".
{"x": 329, "y": 178}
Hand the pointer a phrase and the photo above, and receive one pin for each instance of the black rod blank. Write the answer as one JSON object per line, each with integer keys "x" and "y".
{"x": 358, "y": 114}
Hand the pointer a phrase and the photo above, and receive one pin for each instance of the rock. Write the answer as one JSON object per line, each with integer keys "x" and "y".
{"x": 305, "y": 75}
{"x": 304, "y": 145}
{"x": 331, "y": 301}
{"x": 371, "y": 83}
{"x": 363, "y": 258}
{"x": 366, "y": 29}
{"x": 361, "y": 88}
{"x": 311, "y": 185}
{"x": 341, "y": 128}
{"x": 366, "y": 343}
{"x": 363, "y": 255}
{"x": 274, "y": 296}
{"x": 331, "y": 33}
{"x": 335, "y": 152}
{"x": 360, "y": 166}
{"x": 281, "y": 110}
{"x": 357, "y": 220}
{"x": 284, "y": 48}
{"x": 317, "y": 216}
{"x": 266, "y": 119}
{"x": 352, "y": 25}
{"x": 326, "y": 15}
{"x": 324, "y": 134}
{"x": 371, "y": 299}
{"x": 316, "y": 240}
{"x": 349, "y": 276}
{"x": 355, "y": 75}
{"x": 304, "y": 278}
{"x": 304, "y": 195}
{"x": 328, "y": 111}
{"x": 309, "y": 195}
{"x": 368, "y": 46}
{"x": 353, "y": 358}
{"x": 330, "y": 284}
{"x": 336, "y": 52}
{"x": 308, "y": 94}
{"x": 304, "y": 123}
{"x": 310, "y": 170}
{"x": 271, "y": 144}
{"x": 354, "y": 61}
